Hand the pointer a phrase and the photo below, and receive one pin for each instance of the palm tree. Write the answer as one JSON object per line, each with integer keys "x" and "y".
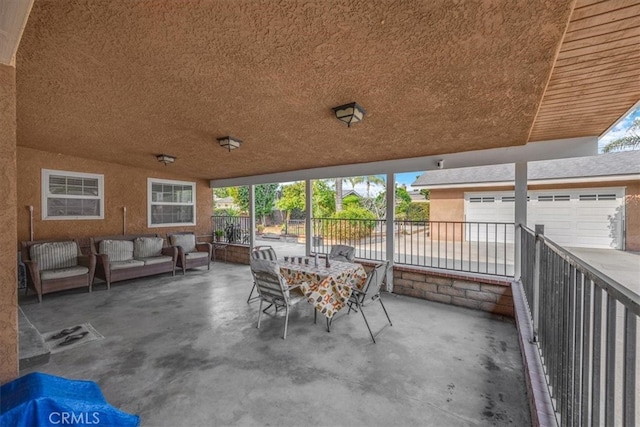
{"x": 631, "y": 141}
{"x": 372, "y": 179}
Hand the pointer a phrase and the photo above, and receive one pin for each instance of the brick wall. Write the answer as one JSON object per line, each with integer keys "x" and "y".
{"x": 481, "y": 293}
{"x": 235, "y": 253}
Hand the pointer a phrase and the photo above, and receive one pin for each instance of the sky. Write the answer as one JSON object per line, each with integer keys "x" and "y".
{"x": 620, "y": 129}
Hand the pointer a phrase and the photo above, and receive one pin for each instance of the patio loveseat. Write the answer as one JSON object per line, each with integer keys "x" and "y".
{"x": 131, "y": 256}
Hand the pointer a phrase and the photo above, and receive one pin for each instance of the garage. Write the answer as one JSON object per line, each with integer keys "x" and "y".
{"x": 588, "y": 218}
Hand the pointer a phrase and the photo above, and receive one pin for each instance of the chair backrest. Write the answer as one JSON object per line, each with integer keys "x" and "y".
{"x": 269, "y": 281}
{"x": 342, "y": 253}
{"x": 375, "y": 278}
{"x": 264, "y": 252}
{"x": 185, "y": 239}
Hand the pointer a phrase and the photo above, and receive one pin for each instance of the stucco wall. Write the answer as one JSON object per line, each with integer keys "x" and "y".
{"x": 448, "y": 204}
{"x": 8, "y": 283}
{"x": 123, "y": 187}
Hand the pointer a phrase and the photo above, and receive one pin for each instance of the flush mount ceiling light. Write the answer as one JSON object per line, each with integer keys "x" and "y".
{"x": 229, "y": 142}
{"x": 165, "y": 158}
{"x": 349, "y": 113}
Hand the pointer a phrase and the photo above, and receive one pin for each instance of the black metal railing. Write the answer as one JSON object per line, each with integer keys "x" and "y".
{"x": 474, "y": 247}
{"x": 366, "y": 235}
{"x": 585, "y": 326}
{"x": 231, "y": 229}
{"x": 477, "y": 247}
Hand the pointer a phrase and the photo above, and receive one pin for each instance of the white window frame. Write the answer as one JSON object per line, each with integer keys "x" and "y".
{"x": 46, "y": 195}
{"x": 150, "y": 182}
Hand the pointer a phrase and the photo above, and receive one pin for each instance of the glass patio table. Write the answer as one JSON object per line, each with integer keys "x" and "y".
{"x": 328, "y": 289}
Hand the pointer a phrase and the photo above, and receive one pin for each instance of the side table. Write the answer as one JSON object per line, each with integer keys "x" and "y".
{"x": 221, "y": 246}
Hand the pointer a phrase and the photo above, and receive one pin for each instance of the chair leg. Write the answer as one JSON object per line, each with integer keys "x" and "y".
{"x": 366, "y": 323}
{"x": 251, "y": 293}
{"x": 286, "y": 321}
{"x": 329, "y": 324}
{"x": 385, "y": 311}
{"x": 259, "y": 314}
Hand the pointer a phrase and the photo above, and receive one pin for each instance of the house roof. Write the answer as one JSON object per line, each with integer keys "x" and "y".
{"x": 122, "y": 81}
{"x": 604, "y": 165}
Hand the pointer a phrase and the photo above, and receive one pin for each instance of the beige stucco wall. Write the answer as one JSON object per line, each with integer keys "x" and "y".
{"x": 448, "y": 204}
{"x": 123, "y": 187}
{"x": 8, "y": 257}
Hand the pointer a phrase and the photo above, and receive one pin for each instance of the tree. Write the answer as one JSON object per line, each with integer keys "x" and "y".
{"x": 426, "y": 193}
{"x": 324, "y": 202}
{"x": 221, "y": 192}
{"x": 265, "y": 198}
{"x": 373, "y": 179}
{"x": 293, "y": 197}
{"x": 630, "y": 141}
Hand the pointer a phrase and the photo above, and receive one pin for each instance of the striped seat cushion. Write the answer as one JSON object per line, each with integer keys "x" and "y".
{"x": 267, "y": 253}
{"x": 53, "y": 255}
{"x": 187, "y": 241}
{"x": 146, "y": 247}
{"x": 118, "y": 250}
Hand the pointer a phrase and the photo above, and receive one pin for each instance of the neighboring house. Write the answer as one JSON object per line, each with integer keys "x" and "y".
{"x": 225, "y": 203}
{"x": 351, "y": 193}
{"x": 416, "y": 197}
{"x": 582, "y": 202}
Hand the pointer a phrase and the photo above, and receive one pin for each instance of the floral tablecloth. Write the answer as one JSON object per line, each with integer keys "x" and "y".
{"x": 328, "y": 289}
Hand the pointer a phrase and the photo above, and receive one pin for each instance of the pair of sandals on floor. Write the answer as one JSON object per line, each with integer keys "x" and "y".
{"x": 69, "y": 336}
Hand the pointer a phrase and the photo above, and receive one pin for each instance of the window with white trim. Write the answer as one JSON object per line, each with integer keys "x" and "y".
{"x": 72, "y": 195}
{"x": 171, "y": 203}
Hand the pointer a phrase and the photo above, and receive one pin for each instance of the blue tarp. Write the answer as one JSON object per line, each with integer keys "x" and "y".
{"x": 45, "y": 400}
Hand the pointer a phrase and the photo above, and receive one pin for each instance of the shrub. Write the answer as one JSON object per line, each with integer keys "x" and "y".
{"x": 354, "y": 223}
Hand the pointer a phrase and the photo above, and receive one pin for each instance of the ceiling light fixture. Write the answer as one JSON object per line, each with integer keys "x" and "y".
{"x": 349, "y": 113}
{"x": 229, "y": 142}
{"x": 165, "y": 158}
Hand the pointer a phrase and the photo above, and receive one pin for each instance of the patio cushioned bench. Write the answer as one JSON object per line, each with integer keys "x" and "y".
{"x": 131, "y": 256}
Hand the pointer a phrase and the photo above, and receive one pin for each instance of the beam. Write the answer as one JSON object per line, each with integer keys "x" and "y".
{"x": 533, "y": 151}
{"x": 13, "y": 19}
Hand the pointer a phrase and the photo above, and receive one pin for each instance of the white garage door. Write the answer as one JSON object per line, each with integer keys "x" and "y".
{"x": 591, "y": 218}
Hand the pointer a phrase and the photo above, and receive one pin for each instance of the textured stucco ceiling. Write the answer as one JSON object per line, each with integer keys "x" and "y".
{"x": 122, "y": 81}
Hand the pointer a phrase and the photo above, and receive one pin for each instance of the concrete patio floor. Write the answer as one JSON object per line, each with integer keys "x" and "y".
{"x": 186, "y": 351}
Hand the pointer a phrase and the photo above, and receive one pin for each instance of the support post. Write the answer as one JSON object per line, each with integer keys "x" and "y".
{"x": 308, "y": 229}
{"x": 520, "y": 217}
{"x": 252, "y": 217}
{"x": 389, "y": 226}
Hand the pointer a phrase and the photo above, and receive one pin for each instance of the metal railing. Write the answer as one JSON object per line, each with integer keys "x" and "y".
{"x": 585, "y": 326}
{"x": 474, "y": 247}
{"x": 235, "y": 229}
{"x": 366, "y": 235}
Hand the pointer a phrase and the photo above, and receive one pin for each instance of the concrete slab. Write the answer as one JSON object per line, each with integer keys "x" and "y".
{"x": 621, "y": 266}
{"x": 32, "y": 350}
{"x": 186, "y": 351}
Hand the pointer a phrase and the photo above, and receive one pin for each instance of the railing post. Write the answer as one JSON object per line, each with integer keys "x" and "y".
{"x": 535, "y": 309}
{"x": 309, "y": 209}
{"x": 252, "y": 216}
{"x": 390, "y": 217}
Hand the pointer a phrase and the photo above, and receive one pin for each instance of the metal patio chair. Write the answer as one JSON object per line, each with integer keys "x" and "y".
{"x": 261, "y": 252}
{"x": 369, "y": 294}
{"x": 273, "y": 288}
{"x": 342, "y": 253}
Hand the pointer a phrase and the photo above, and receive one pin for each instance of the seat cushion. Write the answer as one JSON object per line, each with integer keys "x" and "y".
{"x": 194, "y": 255}
{"x": 61, "y": 273}
{"x": 118, "y": 250}
{"x": 54, "y": 255}
{"x": 146, "y": 247}
{"x": 155, "y": 260}
{"x": 187, "y": 241}
{"x": 119, "y": 265}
